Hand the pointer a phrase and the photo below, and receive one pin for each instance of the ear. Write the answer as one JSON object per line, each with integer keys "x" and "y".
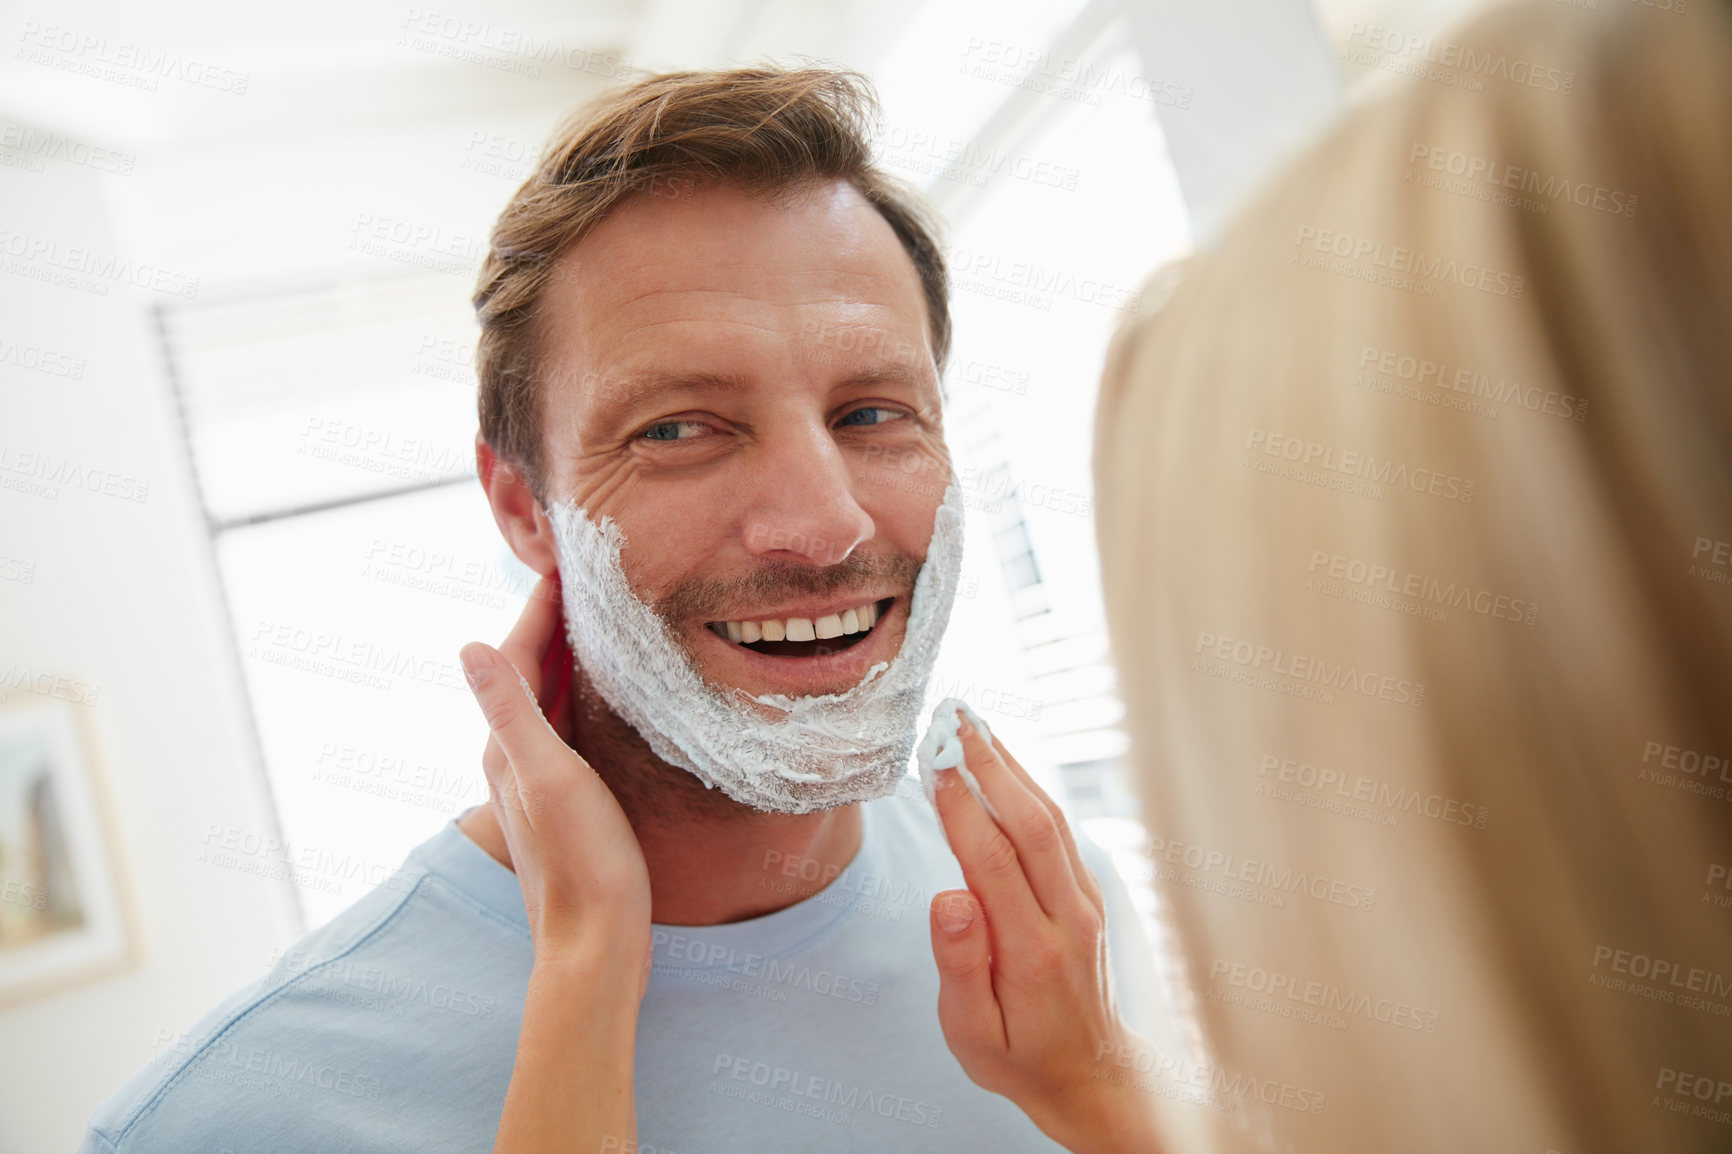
{"x": 516, "y": 510}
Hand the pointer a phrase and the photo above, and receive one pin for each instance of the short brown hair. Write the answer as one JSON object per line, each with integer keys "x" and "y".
{"x": 762, "y": 129}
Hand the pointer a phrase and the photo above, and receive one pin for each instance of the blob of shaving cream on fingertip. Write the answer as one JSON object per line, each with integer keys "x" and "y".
{"x": 941, "y": 749}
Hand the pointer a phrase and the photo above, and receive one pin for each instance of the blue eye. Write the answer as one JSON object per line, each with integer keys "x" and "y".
{"x": 849, "y": 419}
{"x": 668, "y": 430}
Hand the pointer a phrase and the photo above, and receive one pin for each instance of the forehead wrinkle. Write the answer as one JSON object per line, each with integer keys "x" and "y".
{"x": 655, "y": 292}
{"x": 731, "y": 322}
{"x": 768, "y": 328}
{"x": 889, "y": 306}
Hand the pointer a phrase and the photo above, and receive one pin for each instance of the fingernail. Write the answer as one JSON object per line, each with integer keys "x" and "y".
{"x": 955, "y": 915}
{"x": 474, "y": 669}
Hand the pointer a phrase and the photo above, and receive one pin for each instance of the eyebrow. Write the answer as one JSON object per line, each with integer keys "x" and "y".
{"x": 629, "y": 392}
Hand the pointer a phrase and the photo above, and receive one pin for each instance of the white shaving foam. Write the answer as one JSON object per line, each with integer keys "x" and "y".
{"x": 941, "y": 749}
{"x": 771, "y": 752}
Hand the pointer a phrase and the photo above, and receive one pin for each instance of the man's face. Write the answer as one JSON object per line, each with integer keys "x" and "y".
{"x": 747, "y": 387}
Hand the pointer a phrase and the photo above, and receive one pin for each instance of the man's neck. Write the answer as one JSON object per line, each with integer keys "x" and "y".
{"x": 711, "y": 860}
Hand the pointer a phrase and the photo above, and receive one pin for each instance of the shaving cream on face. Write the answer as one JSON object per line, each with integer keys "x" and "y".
{"x": 941, "y": 749}
{"x": 771, "y": 752}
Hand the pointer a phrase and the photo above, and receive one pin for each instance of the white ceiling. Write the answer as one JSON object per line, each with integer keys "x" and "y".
{"x": 370, "y": 108}
{"x": 327, "y": 64}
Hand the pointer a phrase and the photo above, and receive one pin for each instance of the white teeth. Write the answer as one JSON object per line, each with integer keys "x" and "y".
{"x": 856, "y": 620}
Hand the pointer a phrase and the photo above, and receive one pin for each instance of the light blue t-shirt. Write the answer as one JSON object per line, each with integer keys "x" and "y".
{"x": 394, "y": 1027}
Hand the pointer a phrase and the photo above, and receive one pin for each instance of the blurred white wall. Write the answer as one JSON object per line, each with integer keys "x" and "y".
{"x": 122, "y": 596}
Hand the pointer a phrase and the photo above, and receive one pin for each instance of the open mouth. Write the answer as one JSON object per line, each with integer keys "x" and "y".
{"x": 806, "y": 636}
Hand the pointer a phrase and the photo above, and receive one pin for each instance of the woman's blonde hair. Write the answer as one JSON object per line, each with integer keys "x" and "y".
{"x": 1414, "y": 508}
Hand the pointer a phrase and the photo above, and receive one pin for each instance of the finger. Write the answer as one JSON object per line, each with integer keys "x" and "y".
{"x": 502, "y": 796}
{"x": 526, "y": 646}
{"x": 557, "y": 698}
{"x": 1084, "y": 876}
{"x": 502, "y": 791}
{"x": 1032, "y": 828}
{"x": 968, "y": 1010}
{"x": 552, "y": 657}
{"x": 525, "y": 752}
{"x": 989, "y": 860}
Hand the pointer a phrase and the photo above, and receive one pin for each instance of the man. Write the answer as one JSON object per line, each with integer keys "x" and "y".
{"x": 711, "y": 342}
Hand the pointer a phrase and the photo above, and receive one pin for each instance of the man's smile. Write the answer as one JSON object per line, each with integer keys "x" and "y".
{"x": 804, "y": 648}
{"x": 765, "y": 631}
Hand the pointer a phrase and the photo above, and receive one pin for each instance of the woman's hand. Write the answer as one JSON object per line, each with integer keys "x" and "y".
{"x": 585, "y": 888}
{"x": 574, "y": 853}
{"x": 1025, "y": 997}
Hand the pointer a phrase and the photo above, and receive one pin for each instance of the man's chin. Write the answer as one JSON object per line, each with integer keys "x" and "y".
{"x": 809, "y": 798}
{"x": 749, "y": 694}
{"x": 816, "y": 805}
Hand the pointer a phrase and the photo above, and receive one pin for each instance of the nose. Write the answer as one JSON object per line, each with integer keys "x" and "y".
{"x": 800, "y": 501}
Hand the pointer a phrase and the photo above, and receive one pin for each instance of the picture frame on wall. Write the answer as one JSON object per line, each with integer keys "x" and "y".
{"x": 64, "y": 915}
